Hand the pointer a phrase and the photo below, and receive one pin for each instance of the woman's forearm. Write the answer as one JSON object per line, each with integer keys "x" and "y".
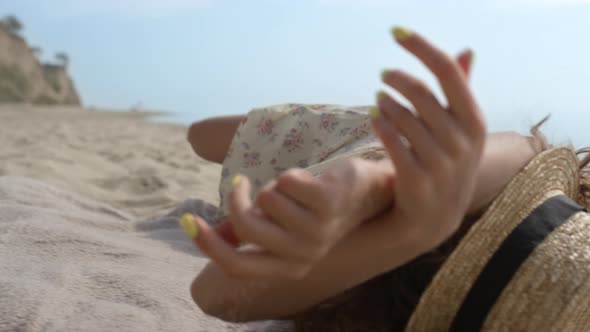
{"x": 347, "y": 265}
{"x": 505, "y": 154}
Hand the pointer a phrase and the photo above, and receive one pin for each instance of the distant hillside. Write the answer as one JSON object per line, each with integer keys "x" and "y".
{"x": 24, "y": 79}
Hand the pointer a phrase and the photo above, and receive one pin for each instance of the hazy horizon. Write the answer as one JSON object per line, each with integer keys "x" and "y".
{"x": 206, "y": 58}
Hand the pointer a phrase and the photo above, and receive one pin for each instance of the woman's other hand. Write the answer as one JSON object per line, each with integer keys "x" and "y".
{"x": 436, "y": 148}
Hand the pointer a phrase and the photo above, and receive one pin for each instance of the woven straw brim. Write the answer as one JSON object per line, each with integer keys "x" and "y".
{"x": 550, "y": 290}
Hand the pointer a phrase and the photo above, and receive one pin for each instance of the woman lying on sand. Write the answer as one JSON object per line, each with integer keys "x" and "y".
{"x": 346, "y": 230}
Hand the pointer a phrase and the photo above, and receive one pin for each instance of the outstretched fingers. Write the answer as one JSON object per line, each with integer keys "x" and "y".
{"x": 269, "y": 251}
{"x": 452, "y": 79}
{"x": 411, "y": 128}
{"x": 402, "y": 157}
{"x": 253, "y": 226}
{"x": 237, "y": 263}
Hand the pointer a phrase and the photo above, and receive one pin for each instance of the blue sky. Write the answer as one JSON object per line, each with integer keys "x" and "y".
{"x": 203, "y": 58}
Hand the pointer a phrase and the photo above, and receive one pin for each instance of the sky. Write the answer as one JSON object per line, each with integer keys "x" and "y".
{"x": 202, "y": 58}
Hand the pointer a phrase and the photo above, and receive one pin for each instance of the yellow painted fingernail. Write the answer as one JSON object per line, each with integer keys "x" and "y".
{"x": 187, "y": 221}
{"x": 235, "y": 181}
{"x": 384, "y": 74}
{"x": 374, "y": 112}
{"x": 470, "y": 57}
{"x": 401, "y": 34}
{"x": 381, "y": 95}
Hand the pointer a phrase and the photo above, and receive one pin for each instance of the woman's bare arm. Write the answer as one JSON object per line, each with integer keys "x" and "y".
{"x": 210, "y": 138}
{"x": 505, "y": 154}
{"x": 348, "y": 264}
{"x": 233, "y": 299}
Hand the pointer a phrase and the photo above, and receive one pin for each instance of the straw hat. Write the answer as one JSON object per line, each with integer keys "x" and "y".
{"x": 525, "y": 265}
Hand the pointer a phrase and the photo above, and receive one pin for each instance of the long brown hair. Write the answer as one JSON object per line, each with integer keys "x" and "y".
{"x": 386, "y": 302}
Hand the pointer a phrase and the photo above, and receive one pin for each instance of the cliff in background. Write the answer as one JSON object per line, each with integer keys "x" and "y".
{"x": 24, "y": 79}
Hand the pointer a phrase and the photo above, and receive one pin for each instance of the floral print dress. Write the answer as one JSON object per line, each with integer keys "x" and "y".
{"x": 273, "y": 139}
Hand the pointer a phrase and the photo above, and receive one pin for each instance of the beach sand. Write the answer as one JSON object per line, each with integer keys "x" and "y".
{"x": 81, "y": 247}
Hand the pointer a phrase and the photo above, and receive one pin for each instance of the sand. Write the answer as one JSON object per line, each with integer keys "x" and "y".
{"x": 82, "y": 247}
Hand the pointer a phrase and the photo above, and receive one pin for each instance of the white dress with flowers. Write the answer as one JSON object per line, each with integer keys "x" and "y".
{"x": 273, "y": 139}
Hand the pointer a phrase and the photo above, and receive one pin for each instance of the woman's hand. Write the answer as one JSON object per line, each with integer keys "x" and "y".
{"x": 436, "y": 150}
{"x": 337, "y": 182}
{"x": 344, "y": 196}
{"x": 295, "y": 220}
